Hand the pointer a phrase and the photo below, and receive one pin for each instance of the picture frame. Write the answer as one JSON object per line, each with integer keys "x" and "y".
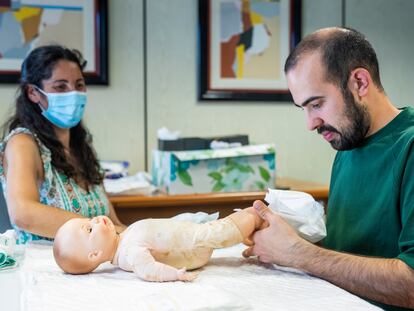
{"x": 243, "y": 46}
{"x": 75, "y": 24}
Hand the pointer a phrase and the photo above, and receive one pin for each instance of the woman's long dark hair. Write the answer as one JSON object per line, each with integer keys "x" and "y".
{"x": 37, "y": 67}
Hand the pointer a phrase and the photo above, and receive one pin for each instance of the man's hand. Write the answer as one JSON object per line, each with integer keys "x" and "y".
{"x": 279, "y": 243}
{"x": 390, "y": 281}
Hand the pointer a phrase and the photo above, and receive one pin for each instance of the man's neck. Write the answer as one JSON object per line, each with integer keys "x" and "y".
{"x": 382, "y": 112}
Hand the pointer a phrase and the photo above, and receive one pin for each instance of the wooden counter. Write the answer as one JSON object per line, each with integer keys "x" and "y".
{"x": 133, "y": 208}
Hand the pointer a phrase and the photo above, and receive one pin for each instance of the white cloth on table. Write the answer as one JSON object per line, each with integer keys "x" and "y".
{"x": 228, "y": 282}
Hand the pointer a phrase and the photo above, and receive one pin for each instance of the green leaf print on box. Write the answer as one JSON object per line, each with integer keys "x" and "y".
{"x": 185, "y": 178}
{"x": 216, "y": 176}
{"x": 245, "y": 168}
{"x": 181, "y": 169}
{"x": 218, "y": 186}
{"x": 260, "y": 185}
{"x": 232, "y": 175}
{"x": 264, "y": 173}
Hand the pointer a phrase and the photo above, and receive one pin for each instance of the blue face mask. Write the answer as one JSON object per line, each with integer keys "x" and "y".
{"x": 64, "y": 110}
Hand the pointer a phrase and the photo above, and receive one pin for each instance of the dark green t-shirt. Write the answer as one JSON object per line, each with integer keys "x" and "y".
{"x": 371, "y": 196}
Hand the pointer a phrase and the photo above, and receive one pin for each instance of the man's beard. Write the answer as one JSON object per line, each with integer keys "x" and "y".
{"x": 360, "y": 121}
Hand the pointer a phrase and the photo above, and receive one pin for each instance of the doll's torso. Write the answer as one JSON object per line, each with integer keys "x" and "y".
{"x": 176, "y": 243}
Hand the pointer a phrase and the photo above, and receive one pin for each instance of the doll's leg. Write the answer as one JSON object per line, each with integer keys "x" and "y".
{"x": 227, "y": 231}
{"x": 216, "y": 234}
{"x": 148, "y": 269}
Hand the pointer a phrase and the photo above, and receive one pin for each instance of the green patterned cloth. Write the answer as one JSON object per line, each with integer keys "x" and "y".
{"x": 57, "y": 189}
{"x": 6, "y": 261}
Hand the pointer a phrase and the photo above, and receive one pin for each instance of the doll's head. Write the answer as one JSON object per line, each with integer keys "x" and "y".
{"x": 82, "y": 244}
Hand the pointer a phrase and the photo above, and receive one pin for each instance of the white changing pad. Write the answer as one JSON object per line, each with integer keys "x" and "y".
{"x": 228, "y": 282}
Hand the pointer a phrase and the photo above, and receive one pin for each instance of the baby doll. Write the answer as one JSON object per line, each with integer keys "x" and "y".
{"x": 154, "y": 249}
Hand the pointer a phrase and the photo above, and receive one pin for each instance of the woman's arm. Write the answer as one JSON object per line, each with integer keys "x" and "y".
{"x": 24, "y": 171}
{"x": 119, "y": 226}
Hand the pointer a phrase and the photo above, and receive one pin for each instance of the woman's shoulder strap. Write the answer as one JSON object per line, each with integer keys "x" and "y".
{"x": 45, "y": 152}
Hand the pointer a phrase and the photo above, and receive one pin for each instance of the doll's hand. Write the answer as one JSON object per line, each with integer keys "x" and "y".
{"x": 183, "y": 275}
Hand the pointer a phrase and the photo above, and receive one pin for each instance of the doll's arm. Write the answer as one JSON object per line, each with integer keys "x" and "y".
{"x": 148, "y": 269}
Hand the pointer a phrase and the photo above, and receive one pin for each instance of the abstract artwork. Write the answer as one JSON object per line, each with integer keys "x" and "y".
{"x": 76, "y": 24}
{"x": 243, "y": 46}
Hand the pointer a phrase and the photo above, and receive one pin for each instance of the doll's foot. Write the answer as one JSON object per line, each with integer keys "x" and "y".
{"x": 259, "y": 222}
{"x": 183, "y": 275}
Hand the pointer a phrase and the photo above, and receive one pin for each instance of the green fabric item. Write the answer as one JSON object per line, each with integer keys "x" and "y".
{"x": 371, "y": 196}
{"x": 6, "y": 260}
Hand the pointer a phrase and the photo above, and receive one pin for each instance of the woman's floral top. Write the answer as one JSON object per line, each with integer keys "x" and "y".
{"x": 57, "y": 189}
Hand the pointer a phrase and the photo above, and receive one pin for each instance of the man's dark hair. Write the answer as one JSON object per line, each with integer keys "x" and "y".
{"x": 36, "y": 68}
{"x": 342, "y": 50}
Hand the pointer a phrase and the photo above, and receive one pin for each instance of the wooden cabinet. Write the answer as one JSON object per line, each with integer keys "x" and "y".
{"x": 133, "y": 208}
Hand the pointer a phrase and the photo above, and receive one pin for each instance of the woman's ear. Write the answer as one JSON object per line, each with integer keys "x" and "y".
{"x": 360, "y": 81}
{"x": 33, "y": 94}
{"x": 95, "y": 256}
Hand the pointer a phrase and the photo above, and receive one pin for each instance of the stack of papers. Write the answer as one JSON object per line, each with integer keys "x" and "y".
{"x": 138, "y": 184}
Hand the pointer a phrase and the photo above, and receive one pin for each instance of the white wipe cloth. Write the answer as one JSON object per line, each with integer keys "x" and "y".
{"x": 198, "y": 218}
{"x": 301, "y": 211}
{"x": 165, "y": 134}
{"x": 228, "y": 282}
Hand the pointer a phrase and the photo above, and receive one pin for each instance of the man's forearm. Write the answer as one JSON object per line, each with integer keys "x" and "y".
{"x": 389, "y": 281}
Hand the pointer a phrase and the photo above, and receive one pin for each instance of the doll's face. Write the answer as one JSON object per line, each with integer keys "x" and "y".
{"x": 93, "y": 239}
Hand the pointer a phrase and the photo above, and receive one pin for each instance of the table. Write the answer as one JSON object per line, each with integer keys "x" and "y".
{"x": 133, "y": 208}
{"x": 227, "y": 282}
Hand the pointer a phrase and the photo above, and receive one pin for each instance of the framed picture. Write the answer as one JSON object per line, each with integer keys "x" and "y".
{"x": 76, "y": 24}
{"x": 243, "y": 48}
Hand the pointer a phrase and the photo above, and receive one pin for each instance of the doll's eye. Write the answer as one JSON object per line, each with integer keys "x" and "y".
{"x": 89, "y": 229}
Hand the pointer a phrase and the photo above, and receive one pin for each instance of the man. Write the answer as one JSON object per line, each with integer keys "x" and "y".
{"x": 333, "y": 76}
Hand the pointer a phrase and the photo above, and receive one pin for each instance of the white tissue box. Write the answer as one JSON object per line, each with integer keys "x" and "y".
{"x": 245, "y": 168}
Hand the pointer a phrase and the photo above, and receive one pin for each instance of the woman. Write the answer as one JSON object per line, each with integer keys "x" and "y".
{"x": 48, "y": 167}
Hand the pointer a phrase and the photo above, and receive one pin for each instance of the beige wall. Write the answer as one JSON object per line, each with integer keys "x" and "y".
{"x": 172, "y": 93}
{"x": 115, "y": 114}
{"x": 301, "y": 154}
{"x": 389, "y": 26}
